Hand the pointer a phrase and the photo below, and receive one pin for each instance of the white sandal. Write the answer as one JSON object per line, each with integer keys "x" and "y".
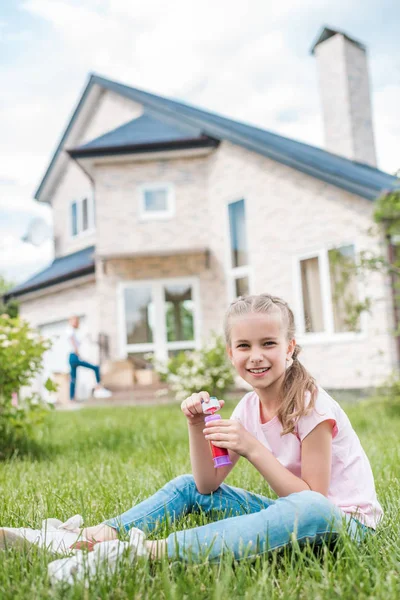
{"x": 55, "y": 536}
{"x": 105, "y": 557}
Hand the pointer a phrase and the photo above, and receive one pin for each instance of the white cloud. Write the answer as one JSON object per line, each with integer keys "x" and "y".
{"x": 19, "y": 261}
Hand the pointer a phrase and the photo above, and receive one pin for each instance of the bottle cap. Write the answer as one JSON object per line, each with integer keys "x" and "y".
{"x": 212, "y": 406}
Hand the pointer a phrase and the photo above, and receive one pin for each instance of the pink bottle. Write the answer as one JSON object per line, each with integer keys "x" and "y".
{"x": 220, "y": 455}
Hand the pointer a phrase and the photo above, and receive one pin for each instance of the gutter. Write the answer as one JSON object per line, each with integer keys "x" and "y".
{"x": 206, "y": 142}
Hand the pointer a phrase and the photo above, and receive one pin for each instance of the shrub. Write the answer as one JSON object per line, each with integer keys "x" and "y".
{"x": 21, "y": 352}
{"x": 10, "y": 307}
{"x": 192, "y": 371}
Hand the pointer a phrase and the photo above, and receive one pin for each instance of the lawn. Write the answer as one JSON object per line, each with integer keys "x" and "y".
{"x": 98, "y": 462}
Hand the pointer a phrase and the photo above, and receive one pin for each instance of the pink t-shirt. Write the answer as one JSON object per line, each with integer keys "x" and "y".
{"x": 352, "y": 485}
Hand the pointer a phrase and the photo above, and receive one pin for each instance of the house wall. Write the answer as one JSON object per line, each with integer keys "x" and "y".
{"x": 112, "y": 272}
{"x": 110, "y": 112}
{"x": 120, "y": 228}
{"x": 288, "y": 214}
{"x": 74, "y": 185}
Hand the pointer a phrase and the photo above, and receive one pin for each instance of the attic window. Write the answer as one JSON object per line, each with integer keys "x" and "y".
{"x": 82, "y": 216}
{"x": 157, "y": 201}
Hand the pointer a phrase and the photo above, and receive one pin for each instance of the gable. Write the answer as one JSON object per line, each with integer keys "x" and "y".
{"x": 98, "y": 111}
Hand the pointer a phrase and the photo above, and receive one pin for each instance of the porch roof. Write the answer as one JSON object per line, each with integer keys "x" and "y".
{"x": 202, "y": 250}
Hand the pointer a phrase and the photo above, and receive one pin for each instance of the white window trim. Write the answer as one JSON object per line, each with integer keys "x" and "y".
{"x": 329, "y": 334}
{"x": 91, "y": 225}
{"x": 160, "y": 346}
{"x": 145, "y": 215}
{"x": 234, "y": 273}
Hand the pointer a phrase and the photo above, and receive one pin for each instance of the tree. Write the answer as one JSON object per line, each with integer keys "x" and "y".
{"x": 387, "y": 218}
{"x": 11, "y": 307}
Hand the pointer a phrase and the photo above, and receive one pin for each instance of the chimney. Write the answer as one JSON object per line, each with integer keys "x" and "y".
{"x": 346, "y": 102}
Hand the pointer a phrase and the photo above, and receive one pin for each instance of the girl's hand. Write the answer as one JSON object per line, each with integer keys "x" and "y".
{"x": 230, "y": 434}
{"x": 192, "y": 407}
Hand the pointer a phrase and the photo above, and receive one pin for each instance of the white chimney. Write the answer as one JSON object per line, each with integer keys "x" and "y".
{"x": 346, "y": 102}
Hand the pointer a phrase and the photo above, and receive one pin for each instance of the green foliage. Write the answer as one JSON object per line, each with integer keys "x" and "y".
{"x": 205, "y": 369}
{"x": 21, "y": 424}
{"x": 344, "y": 273}
{"x": 11, "y": 307}
{"x": 390, "y": 391}
{"x": 387, "y": 212}
{"x": 21, "y": 352}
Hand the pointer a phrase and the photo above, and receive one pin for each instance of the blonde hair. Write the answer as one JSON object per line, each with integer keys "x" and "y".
{"x": 298, "y": 383}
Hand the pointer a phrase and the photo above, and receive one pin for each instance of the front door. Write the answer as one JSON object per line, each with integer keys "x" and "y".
{"x": 159, "y": 316}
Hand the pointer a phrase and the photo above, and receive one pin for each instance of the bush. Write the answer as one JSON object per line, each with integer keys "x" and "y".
{"x": 192, "y": 371}
{"x": 11, "y": 307}
{"x": 21, "y": 353}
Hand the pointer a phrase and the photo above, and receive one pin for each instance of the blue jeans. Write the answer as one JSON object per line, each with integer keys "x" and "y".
{"x": 74, "y": 363}
{"x": 251, "y": 524}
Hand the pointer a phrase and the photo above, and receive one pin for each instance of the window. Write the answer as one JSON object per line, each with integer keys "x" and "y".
{"x": 156, "y": 201}
{"x": 329, "y": 292}
{"x": 179, "y": 312}
{"x": 82, "y": 216}
{"x": 344, "y": 293}
{"x": 74, "y": 218}
{"x": 238, "y": 253}
{"x": 237, "y": 226}
{"x": 312, "y": 300}
{"x": 139, "y": 315}
{"x": 85, "y": 215}
{"x": 159, "y": 316}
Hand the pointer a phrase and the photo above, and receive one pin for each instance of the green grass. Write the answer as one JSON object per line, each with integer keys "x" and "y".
{"x": 98, "y": 462}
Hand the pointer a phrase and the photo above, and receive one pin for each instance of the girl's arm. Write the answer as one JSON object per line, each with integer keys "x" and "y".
{"x": 316, "y": 457}
{"x": 206, "y": 476}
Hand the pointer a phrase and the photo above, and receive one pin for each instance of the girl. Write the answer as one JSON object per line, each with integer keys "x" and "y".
{"x": 295, "y": 435}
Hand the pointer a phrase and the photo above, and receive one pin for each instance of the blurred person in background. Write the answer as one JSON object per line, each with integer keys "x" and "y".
{"x": 74, "y": 340}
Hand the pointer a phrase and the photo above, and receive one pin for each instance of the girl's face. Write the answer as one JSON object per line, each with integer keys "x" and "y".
{"x": 259, "y": 348}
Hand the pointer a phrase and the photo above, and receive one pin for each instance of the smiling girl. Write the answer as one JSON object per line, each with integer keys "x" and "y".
{"x": 295, "y": 435}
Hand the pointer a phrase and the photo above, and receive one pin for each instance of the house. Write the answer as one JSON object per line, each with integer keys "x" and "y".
{"x": 163, "y": 213}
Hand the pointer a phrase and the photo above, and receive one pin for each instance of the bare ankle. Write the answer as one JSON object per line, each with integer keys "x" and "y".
{"x": 157, "y": 548}
{"x": 100, "y": 533}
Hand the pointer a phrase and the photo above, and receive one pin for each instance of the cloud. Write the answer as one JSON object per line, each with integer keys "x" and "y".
{"x": 19, "y": 261}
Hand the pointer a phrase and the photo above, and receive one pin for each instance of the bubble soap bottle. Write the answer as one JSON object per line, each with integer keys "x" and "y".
{"x": 220, "y": 455}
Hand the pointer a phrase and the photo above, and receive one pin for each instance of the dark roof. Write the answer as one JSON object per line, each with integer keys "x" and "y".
{"x": 327, "y": 33}
{"x": 62, "y": 269}
{"x": 144, "y": 133}
{"x": 352, "y": 176}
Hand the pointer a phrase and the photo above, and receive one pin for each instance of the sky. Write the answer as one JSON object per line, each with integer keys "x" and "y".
{"x": 246, "y": 60}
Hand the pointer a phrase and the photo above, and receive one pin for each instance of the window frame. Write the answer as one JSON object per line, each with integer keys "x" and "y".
{"x": 168, "y": 213}
{"x": 79, "y": 216}
{"x": 234, "y": 273}
{"x": 329, "y": 333}
{"x": 160, "y": 345}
